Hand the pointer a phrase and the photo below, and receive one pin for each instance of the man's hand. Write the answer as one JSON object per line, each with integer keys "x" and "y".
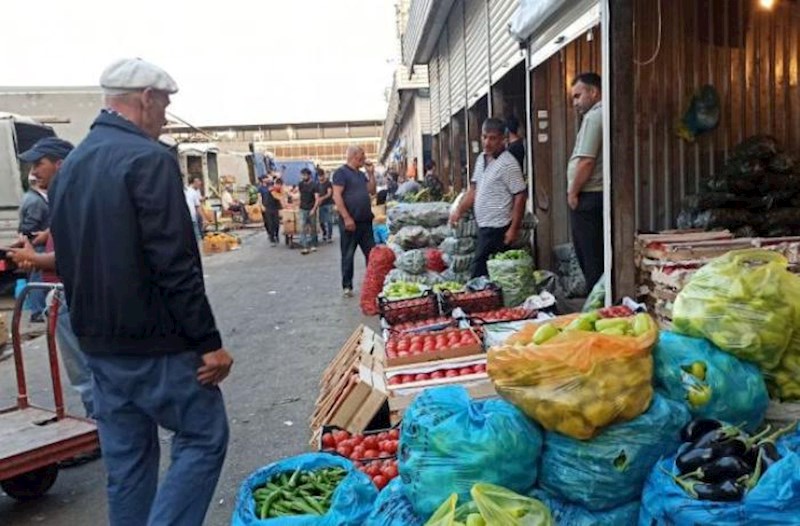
{"x": 573, "y": 201}
{"x": 40, "y": 238}
{"x": 455, "y": 217}
{"x": 511, "y": 236}
{"x": 23, "y": 256}
{"x": 349, "y": 224}
{"x": 216, "y": 366}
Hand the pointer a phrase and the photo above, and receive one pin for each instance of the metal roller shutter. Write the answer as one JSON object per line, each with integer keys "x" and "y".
{"x": 458, "y": 81}
{"x": 477, "y": 39}
{"x": 505, "y": 52}
{"x": 433, "y": 79}
{"x": 444, "y": 81}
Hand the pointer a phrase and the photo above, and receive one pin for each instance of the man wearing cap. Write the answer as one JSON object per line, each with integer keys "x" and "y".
{"x": 47, "y": 155}
{"x": 34, "y": 211}
{"x": 134, "y": 281}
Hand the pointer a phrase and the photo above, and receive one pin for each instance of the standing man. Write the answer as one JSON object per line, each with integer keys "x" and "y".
{"x": 585, "y": 178}
{"x": 194, "y": 202}
{"x": 351, "y": 193}
{"x": 516, "y": 146}
{"x": 432, "y": 183}
{"x": 498, "y": 193}
{"x": 34, "y": 211}
{"x": 134, "y": 283}
{"x": 271, "y": 206}
{"x": 308, "y": 212}
{"x": 325, "y": 193}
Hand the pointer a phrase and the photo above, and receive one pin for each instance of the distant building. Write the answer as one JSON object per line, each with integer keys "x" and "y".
{"x": 324, "y": 143}
{"x": 69, "y": 110}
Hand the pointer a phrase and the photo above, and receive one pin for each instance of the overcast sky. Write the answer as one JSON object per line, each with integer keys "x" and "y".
{"x": 235, "y": 61}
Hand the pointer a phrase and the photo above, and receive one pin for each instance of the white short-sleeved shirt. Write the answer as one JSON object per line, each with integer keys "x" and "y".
{"x": 496, "y": 184}
{"x": 193, "y": 200}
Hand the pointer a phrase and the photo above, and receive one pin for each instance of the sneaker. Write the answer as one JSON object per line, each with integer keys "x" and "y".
{"x": 330, "y": 241}
{"x": 313, "y": 249}
{"x": 304, "y": 251}
{"x": 348, "y": 293}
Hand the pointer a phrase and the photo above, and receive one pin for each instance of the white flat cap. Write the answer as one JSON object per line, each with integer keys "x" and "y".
{"x": 134, "y": 74}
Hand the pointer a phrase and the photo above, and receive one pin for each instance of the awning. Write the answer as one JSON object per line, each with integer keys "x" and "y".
{"x": 549, "y": 25}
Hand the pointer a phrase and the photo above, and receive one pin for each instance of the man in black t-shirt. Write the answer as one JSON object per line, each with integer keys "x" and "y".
{"x": 516, "y": 145}
{"x": 308, "y": 212}
{"x": 325, "y": 193}
{"x": 271, "y": 205}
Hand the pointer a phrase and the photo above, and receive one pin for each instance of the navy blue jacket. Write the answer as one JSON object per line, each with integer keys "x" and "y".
{"x": 125, "y": 248}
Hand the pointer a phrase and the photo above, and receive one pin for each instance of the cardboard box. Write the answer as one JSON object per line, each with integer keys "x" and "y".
{"x": 289, "y": 219}
{"x": 478, "y": 389}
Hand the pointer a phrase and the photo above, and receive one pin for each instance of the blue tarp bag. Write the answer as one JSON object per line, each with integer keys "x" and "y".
{"x": 393, "y": 508}
{"x": 351, "y": 504}
{"x": 610, "y": 469}
{"x": 735, "y": 389}
{"x": 448, "y": 443}
{"x": 566, "y": 514}
{"x": 775, "y": 501}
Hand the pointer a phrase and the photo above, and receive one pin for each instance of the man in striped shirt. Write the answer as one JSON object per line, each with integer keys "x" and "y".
{"x": 497, "y": 195}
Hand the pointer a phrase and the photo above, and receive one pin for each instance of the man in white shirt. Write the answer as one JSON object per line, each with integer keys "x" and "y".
{"x": 194, "y": 200}
{"x": 497, "y": 194}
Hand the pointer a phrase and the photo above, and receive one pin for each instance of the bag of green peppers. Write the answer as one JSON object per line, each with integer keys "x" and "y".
{"x": 513, "y": 272}
{"x": 741, "y": 302}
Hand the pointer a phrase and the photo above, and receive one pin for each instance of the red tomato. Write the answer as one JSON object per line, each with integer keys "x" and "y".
{"x": 345, "y": 451}
{"x": 383, "y": 435}
{"x": 391, "y": 354}
{"x": 480, "y": 368}
{"x": 437, "y": 374}
{"x": 328, "y": 440}
{"x": 389, "y": 446}
{"x": 358, "y": 452}
{"x": 416, "y": 339}
{"x": 408, "y": 378}
{"x": 371, "y": 453}
{"x": 357, "y": 439}
{"x": 394, "y": 434}
{"x": 429, "y": 347}
{"x": 402, "y": 346}
{"x": 340, "y": 435}
{"x": 451, "y": 373}
{"x": 395, "y": 380}
{"x": 389, "y": 471}
{"x": 380, "y": 481}
{"x": 359, "y": 466}
{"x": 421, "y": 377}
{"x": 402, "y": 354}
{"x": 373, "y": 469}
{"x": 370, "y": 442}
{"x": 465, "y": 371}
{"x": 415, "y": 348}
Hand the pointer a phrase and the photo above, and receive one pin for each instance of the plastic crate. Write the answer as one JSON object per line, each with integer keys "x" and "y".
{"x": 479, "y": 318}
{"x": 469, "y": 302}
{"x": 412, "y": 309}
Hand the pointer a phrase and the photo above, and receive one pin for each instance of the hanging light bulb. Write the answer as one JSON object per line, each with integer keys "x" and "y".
{"x": 767, "y": 4}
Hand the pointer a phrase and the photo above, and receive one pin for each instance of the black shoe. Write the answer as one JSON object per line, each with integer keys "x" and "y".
{"x": 37, "y": 317}
{"x": 79, "y": 460}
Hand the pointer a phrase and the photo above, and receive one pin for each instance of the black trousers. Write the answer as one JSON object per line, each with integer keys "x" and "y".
{"x": 272, "y": 224}
{"x": 362, "y": 237}
{"x": 490, "y": 242}
{"x": 587, "y": 235}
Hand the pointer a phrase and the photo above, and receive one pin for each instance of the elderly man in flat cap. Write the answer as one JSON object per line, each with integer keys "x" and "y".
{"x": 134, "y": 282}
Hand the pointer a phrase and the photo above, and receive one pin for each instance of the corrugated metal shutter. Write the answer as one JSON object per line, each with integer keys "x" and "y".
{"x": 444, "y": 81}
{"x": 433, "y": 78}
{"x": 477, "y": 38}
{"x": 505, "y": 53}
{"x": 424, "y": 107}
{"x": 417, "y": 15}
{"x": 458, "y": 81}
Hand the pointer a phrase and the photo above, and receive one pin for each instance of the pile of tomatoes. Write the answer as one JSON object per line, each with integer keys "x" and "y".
{"x": 504, "y": 314}
{"x": 431, "y": 322}
{"x": 439, "y": 373}
{"x": 619, "y": 311}
{"x": 478, "y": 301}
{"x": 374, "y": 454}
{"x": 402, "y": 311}
{"x": 412, "y": 345}
{"x": 380, "y": 471}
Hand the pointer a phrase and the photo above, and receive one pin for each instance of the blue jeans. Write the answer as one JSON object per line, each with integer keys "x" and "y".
{"x": 80, "y": 377}
{"x": 35, "y": 301}
{"x": 308, "y": 224}
{"x": 361, "y": 237}
{"x": 198, "y": 229}
{"x": 326, "y": 221}
{"x": 134, "y": 395}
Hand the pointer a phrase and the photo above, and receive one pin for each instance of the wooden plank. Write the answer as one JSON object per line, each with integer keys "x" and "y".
{"x": 545, "y": 200}
{"x": 621, "y": 162}
{"x": 21, "y": 432}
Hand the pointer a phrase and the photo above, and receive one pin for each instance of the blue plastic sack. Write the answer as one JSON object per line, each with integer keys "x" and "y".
{"x": 774, "y": 501}
{"x": 351, "y": 504}
{"x": 610, "y": 469}
{"x": 449, "y": 442}
{"x": 566, "y": 514}
{"x": 393, "y": 508}
{"x": 737, "y": 388}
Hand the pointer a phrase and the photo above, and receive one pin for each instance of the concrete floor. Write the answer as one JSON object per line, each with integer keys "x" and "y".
{"x": 283, "y": 318}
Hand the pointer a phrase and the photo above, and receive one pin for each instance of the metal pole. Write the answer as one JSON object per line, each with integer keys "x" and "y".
{"x": 605, "y": 31}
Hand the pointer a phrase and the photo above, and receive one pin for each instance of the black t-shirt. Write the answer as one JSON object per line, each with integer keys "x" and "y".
{"x": 308, "y": 194}
{"x": 517, "y": 149}
{"x": 355, "y": 193}
{"x": 322, "y": 189}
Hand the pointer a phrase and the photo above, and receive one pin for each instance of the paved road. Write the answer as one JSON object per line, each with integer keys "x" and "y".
{"x": 282, "y": 316}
